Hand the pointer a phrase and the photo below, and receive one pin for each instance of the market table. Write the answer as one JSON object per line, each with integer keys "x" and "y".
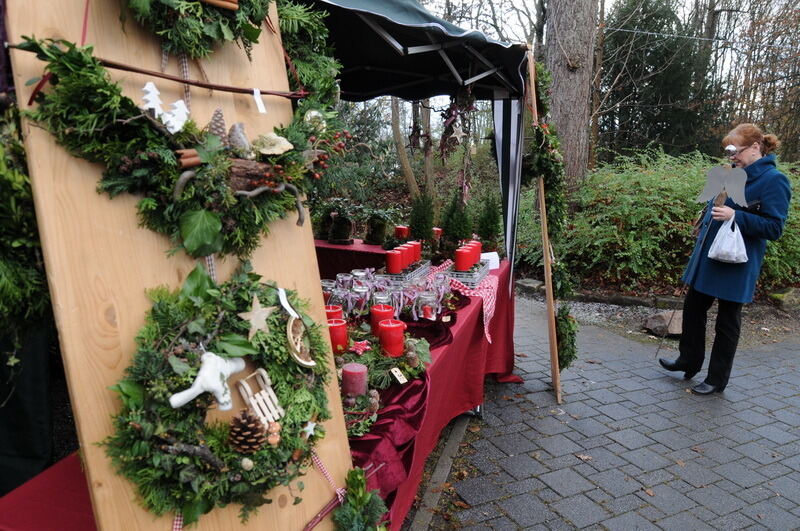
{"x": 406, "y": 432}
{"x": 335, "y": 258}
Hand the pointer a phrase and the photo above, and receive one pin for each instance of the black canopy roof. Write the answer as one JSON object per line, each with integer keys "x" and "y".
{"x": 396, "y": 47}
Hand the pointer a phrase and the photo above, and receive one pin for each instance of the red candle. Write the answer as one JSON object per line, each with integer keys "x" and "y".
{"x": 334, "y": 311}
{"x": 427, "y": 312}
{"x": 417, "y": 250}
{"x": 463, "y": 259}
{"x": 401, "y": 232}
{"x": 354, "y": 379}
{"x": 392, "y": 337}
{"x": 394, "y": 262}
{"x": 407, "y": 252}
{"x": 378, "y": 313}
{"x": 338, "y": 331}
{"x": 474, "y": 252}
{"x": 479, "y": 246}
{"x": 437, "y": 232}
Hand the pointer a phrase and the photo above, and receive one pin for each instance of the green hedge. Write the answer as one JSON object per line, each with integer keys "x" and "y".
{"x": 630, "y": 225}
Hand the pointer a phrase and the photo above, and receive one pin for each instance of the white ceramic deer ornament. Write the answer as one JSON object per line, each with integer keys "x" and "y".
{"x": 212, "y": 378}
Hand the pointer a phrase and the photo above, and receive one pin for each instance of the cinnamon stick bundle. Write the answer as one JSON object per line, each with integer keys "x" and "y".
{"x": 233, "y": 5}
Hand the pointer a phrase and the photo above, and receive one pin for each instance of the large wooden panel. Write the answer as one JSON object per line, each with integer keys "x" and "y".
{"x": 99, "y": 262}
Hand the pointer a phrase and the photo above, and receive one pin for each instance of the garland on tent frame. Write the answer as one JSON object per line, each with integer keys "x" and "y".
{"x": 210, "y": 190}
{"x": 543, "y": 158}
{"x": 161, "y": 441}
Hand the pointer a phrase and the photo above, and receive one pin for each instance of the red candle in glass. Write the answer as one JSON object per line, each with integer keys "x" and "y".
{"x": 378, "y": 313}
{"x": 338, "y": 330}
{"x": 401, "y": 232}
{"x": 392, "y": 337}
{"x": 394, "y": 262}
{"x": 463, "y": 259}
{"x": 437, "y": 232}
{"x": 427, "y": 312}
{"x": 354, "y": 379}
{"x": 334, "y": 311}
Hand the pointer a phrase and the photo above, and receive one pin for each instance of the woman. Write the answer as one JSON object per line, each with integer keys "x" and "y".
{"x": 768, "y": 193}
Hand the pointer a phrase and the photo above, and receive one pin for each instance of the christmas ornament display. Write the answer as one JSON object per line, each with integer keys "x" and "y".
{"x": 177, "y": 460}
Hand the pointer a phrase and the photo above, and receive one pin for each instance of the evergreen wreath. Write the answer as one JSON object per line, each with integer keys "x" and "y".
{"x": 221, "y": 204}
{"x": 180, "y": 463}
{"x": 195, "y": 28}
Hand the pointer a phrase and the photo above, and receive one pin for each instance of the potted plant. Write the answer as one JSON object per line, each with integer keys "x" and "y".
{"x": 377, "y": 220}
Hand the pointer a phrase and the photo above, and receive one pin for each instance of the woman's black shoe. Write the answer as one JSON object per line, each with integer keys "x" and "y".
{"x": 675, "y": 366}
{"x": 705, "y": 389}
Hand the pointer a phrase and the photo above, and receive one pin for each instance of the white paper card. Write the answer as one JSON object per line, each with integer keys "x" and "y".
{"x": 398, "y": 375}
{"x": 259, "y": 102}
{"x": 494, "y": 259}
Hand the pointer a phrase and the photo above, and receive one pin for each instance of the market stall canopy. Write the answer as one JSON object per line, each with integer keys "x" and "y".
{"x": 397, "y": 48}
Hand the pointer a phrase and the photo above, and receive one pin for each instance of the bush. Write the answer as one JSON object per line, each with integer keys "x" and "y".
{"x": 631, "y": 225}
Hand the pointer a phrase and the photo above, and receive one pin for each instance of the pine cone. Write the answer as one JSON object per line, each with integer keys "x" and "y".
{"x": 217, "y": 126}
{"x": 247, "y": 433}
{"x": 412, "y": 359}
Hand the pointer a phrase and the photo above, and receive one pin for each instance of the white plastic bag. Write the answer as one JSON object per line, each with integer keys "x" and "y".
{"x": 728, "y": 244}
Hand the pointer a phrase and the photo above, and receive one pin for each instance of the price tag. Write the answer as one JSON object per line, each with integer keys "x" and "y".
{"x": 259, "y": 102}
{"x": 398, "y": 375}
{"x": 446, "y": 319}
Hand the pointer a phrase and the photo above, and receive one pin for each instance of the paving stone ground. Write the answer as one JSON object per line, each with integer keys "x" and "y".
{"x": 629, "y": 447}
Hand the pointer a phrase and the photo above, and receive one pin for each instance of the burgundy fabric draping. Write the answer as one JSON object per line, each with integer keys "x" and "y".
{"x": 58, "y": 498}
{"x": 334, "y": 258}
{"x": 55, "y": 500}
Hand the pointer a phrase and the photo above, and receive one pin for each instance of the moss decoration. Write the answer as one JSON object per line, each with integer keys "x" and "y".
{"x": 177, "y": 461}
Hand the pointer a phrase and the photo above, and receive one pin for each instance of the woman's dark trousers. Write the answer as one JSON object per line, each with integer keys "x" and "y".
{"x": 692, "y": 345}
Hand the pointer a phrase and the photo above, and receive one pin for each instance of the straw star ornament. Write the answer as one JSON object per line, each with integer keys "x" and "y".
{"x": 257, "y": 317}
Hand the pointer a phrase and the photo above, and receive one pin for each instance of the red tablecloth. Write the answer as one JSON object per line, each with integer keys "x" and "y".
{"x": 334, "y": 259}
{"x": 59, "y": 499}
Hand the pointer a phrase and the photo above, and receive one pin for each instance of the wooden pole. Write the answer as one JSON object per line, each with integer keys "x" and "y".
{"x": 555, "y": 373}
{"x": 549, "y": 301}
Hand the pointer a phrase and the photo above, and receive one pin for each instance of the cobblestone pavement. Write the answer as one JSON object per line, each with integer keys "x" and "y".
{"x": 630, "y": 447}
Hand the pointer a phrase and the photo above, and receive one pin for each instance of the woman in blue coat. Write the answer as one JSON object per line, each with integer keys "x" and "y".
{"x": 768, "y": 193}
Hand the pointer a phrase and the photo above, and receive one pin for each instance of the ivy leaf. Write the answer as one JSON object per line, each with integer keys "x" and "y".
{"x": 235, "y": 345}
{"x": 201, "y": 232}
{"x": 178, "y": 365}
{"x": 198, "y": 326}
{"x": 209, "y": 148}
{"x": 251, "y": 33}
{"x": 226, "y": 31}
{"x": 192, "y": 510}
{"x": 130, "y": 392}
{"x": 142, "y": 7}
{"x": 423, "y": 349}
{"x": 197, "y": 284}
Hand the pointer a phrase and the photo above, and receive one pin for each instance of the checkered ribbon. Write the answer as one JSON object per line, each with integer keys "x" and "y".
{"x": 340, "y": 492}
{"x": 486, "y": 290}
{"x": 177, "y": 523}
{"x": 183, "y": 63}
{"x": 211, "y": 266}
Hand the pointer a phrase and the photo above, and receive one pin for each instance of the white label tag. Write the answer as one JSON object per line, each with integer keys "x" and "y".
{"x": 398, "y": 375}
{"x": 259, "y": 102}
{"x": 446, "y": 319}
{"x": 285, "y": 303}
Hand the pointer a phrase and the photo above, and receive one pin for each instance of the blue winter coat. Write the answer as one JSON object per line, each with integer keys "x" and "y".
{"x": 768, "y": 193}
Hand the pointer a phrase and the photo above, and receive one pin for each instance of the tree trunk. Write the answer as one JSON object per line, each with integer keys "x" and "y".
{"x": 598, "y": 75}
{"x": 568, "y": 50}
{"x": 427, "y": 146}
{"x": 402, "y": 154}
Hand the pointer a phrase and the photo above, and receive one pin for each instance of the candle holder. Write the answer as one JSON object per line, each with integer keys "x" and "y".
{"x": 344, "y": 280}
{"x": 426, "y": 305}
{"x": 327, "y": 288}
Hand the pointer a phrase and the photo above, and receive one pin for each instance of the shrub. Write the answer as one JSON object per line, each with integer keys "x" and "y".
{"x": 631, "y": 225}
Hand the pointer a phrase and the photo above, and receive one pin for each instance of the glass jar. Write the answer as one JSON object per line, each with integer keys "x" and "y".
{"x": 344, "y": 280}
{"x": 381, "y": 297}
{"x": 327, "y": 288}
{"x": 426, "y": 305}
{"x": 361, "y": 298}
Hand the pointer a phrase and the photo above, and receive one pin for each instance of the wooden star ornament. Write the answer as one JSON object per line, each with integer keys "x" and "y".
{"x": 458, "y": 133}
{"x": 257, "y": 317}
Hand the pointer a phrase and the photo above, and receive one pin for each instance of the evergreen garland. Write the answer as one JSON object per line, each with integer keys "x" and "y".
{"x": 362, "y": 509}
{"x": 147, "y": 428}
{"x": 195, "y": 28}
{"x": 90, "y": 117}
{"x": 566, "y": 333}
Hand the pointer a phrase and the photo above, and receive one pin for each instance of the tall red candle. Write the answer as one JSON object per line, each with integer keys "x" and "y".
{"x": 437, "y": 232}
{"x": 334, "y": 311}
{"x": 392, "y": 337}
{"x": 354, "y": 379}
{"x": 417, "y": 250}
{"x": 463, "y": 259}
{"x": 394, "y": 262}
{"x": 401, "y": 232}
{"x": 478, "y": 249}
{"x": 338, "y": 330}
{"x": 378, "y": 313}
{"x": 407, "y": 252}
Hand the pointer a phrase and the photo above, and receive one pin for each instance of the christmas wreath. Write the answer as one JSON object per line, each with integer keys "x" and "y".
{"x": 193, "y": 339}
{"x": 210, "y": 190}
{"x": 194, "y": 28}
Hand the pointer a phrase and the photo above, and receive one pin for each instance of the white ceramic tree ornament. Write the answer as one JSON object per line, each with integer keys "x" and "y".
{"x": 177, "y": 117}
{"x": 211, "y": 378}
{"x": 152, "y": 100}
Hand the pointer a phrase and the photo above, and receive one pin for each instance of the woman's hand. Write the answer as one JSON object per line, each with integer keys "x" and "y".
{"x": 722, "y": 213}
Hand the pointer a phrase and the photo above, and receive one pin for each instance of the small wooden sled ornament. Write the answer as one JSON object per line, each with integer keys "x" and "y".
{"x": 263, "y": 402}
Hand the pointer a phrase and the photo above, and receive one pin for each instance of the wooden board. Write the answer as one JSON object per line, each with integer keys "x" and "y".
{"x": 99, "y": 261}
